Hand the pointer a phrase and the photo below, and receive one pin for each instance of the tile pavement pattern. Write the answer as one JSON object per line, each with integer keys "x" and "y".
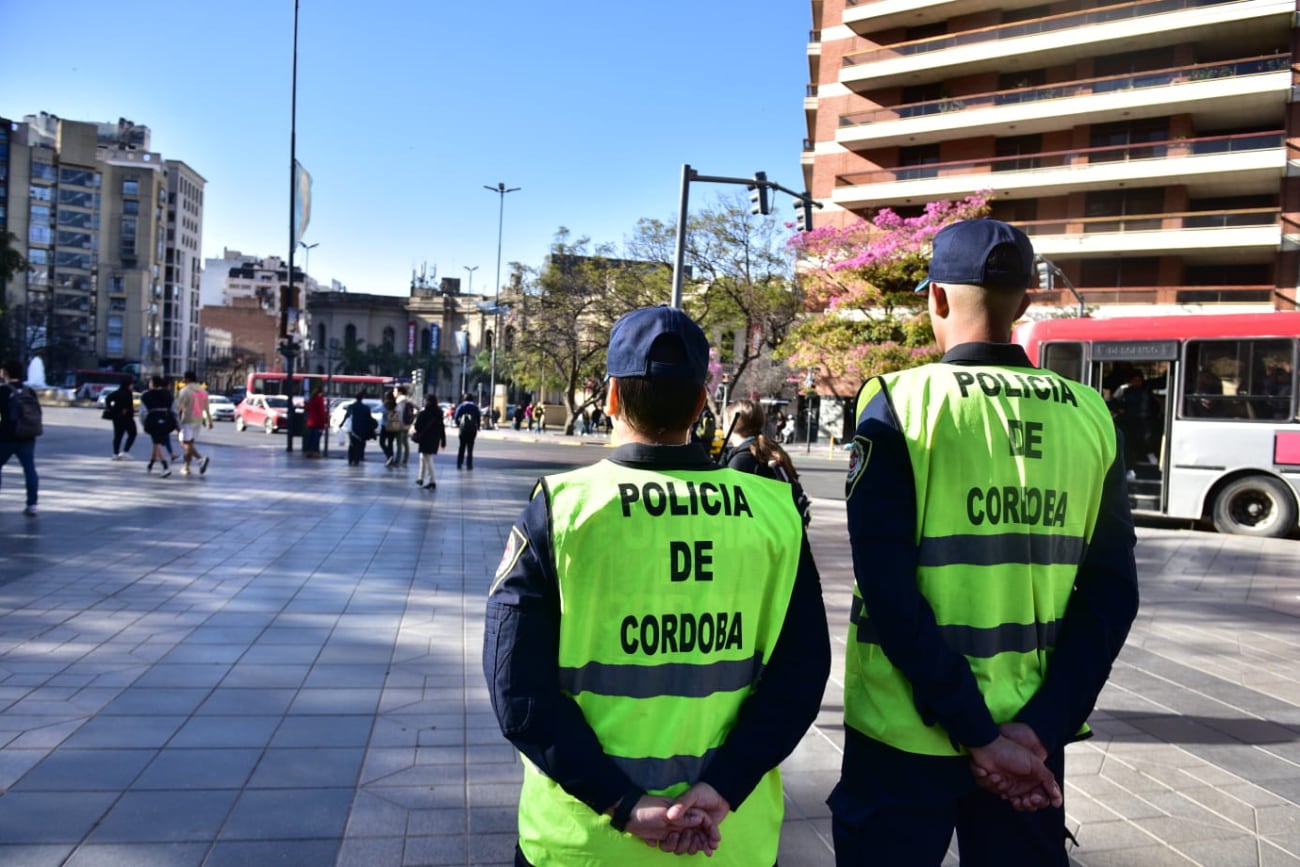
{"x": 278, "y": 663}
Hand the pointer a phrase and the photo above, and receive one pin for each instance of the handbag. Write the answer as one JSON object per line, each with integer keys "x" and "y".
{"x": 341, "y": 438}
{"x": 108, "y": 413}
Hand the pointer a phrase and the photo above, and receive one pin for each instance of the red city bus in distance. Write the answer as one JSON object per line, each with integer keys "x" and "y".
{"x": 87, "y": 384}
{"x": 337, "y": 385}
{"x": 1207, "y": 405}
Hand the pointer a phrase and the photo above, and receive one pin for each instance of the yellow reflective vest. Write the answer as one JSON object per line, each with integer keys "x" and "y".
{"x": 673, "y": 589}
{"x": 1008, "y": 465}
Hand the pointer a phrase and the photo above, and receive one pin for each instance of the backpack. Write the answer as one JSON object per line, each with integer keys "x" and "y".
{"x": 408, "y": 413}
{"x": 25, "y": 410}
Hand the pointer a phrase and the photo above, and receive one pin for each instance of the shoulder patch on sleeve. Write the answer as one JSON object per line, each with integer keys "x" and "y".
{"x": 859, "y": 457}
{"x": 515, "y": 546}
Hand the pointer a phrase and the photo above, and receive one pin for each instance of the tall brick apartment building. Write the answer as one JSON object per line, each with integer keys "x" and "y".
{"x": 1145, "y": 146}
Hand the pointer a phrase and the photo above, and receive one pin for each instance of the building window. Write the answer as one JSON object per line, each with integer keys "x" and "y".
{"x": 390, "y": 339}
{"x": 130, "y": 187}
{"x": 79, "y": 178}
{"x": 913, "y": 160}
{"x": 79, "y": 199}
{"x": 131, "y": 206}
{"x": 43, "y": 172}
{"x": 350, "y": 336}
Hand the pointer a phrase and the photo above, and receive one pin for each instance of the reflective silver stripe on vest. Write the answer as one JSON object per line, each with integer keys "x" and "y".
{"x": 972, "y": 550}
{"x": 975, "y": 642}
{"x": 655, "y": 773}
{"x": 681, "y": 679}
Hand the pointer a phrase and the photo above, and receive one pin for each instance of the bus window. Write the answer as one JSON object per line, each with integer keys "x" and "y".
{"x": 1239, "y": 379}
{"x": 1065, "y": 359}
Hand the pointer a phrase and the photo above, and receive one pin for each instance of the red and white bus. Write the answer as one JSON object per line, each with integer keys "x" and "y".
{"x": 337, "y": 385}
{"x": 1207, "y": 404}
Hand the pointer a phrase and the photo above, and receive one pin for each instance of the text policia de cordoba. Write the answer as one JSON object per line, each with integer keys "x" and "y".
{"x": 685, "y": 632}
{"x": 1011, "y": 504}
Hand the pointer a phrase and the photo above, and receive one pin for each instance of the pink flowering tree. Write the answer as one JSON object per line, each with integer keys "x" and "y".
{"x": 860, "y": 279}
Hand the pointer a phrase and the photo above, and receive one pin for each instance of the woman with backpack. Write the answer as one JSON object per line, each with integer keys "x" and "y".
{"x": 749, "y": 450}
{"x": 20, "y": 425}
{"x": 158, "y": 418}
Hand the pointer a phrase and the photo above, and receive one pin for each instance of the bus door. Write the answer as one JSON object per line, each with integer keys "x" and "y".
{"x": 1135, "y": 378}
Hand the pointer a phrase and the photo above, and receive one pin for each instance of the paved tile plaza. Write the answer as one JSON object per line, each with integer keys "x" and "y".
{"x": 278, "y": 663}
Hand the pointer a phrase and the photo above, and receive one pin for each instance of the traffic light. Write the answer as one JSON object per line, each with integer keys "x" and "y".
{"x": 758, "y": 203}
{"x": 1045, "y": 271}
{"x": 803, "y": 215}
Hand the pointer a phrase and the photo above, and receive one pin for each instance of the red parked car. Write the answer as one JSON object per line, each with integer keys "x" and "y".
{"x": 267, "y": 411}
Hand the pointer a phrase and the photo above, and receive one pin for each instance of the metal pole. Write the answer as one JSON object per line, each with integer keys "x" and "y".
{"x": 500, "y": 189}
{"x": 469, "y": 288}
{"x": 680, "y": 254}
{"x": 293, "y": 241}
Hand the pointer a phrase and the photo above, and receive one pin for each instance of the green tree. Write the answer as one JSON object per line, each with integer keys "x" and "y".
{"x": 566, "y": 311}
{"x": 862, "y": 277}
{"x": 11, "y": 263}
{"x": 741, "y": 284}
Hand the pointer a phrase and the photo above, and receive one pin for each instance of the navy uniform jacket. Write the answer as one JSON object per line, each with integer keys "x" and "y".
{"x": 882, "y": 530}
{"x": 520, "y": 645}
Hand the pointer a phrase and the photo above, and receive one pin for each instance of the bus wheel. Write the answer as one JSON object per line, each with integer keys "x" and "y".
{"x": 1255, "y": 506}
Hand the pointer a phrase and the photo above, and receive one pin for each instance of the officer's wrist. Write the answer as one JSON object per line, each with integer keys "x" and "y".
{"x": 621, "y": 812}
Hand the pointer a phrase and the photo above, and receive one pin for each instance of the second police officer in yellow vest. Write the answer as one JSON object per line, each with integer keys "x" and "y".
{"x": 655, "y": 639}
{"x": 995, "y": 581}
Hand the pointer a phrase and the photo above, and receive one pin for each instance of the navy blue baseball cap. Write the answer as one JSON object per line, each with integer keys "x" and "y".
{"x": 963, "y": 253}
{"x": 636, "y": 333}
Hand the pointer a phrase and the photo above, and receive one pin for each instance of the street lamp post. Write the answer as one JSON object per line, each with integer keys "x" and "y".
{"x": 306, "y": 260}
{"x": 469, "y": 286}
{"x": 500, "y": 189}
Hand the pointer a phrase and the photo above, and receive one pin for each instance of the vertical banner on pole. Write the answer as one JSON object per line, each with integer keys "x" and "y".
{"x": 301, "y": 201}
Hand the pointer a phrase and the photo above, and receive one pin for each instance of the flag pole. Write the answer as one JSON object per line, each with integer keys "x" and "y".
{"x": 288, "y": 346}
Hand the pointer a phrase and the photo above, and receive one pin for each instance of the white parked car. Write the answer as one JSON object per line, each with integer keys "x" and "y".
{"x": 340, "y": 411}
{"x": 221, "y": 407}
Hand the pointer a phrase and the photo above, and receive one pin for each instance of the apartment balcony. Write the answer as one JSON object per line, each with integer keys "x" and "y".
{"x": 871, "y": 16}
{"x": 1243, "y": 236}
{"x": 1224, "y": 95}
{"x": 1207, "y": 167}
{"x": 1070, "y": 37}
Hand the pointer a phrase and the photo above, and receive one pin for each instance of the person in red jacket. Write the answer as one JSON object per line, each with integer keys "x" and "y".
{"x": 316, "y": 422}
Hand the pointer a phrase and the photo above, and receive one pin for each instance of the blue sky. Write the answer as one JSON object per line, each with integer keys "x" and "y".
{"x": 406, "y": 110}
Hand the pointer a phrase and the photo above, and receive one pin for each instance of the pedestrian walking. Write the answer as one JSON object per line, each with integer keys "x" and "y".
{"x": 528, "y": 417}
{"x": 647, "y": 678}
{"x": 390, "y": 423}
{"x": 317, "y": 420}
{"x": 361, "y": 426}
{"x": 402, "y": 441}
{"x": 429, "y": 434}
{"x": 994, "y": 580}
{"x": 119, "y": 407}
{"x": 194, "y": 413}
{"x": 467, "y": 419}
{"x": 539, "y": 416}
{"x": 519, "y": 415}
{"x": 20, "y": 425}
{"x": 158, "y": 419}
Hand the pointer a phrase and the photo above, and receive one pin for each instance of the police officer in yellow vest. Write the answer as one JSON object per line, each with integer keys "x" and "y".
{"x": 995, "y": 581}
{"x": 655, "y": 640}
